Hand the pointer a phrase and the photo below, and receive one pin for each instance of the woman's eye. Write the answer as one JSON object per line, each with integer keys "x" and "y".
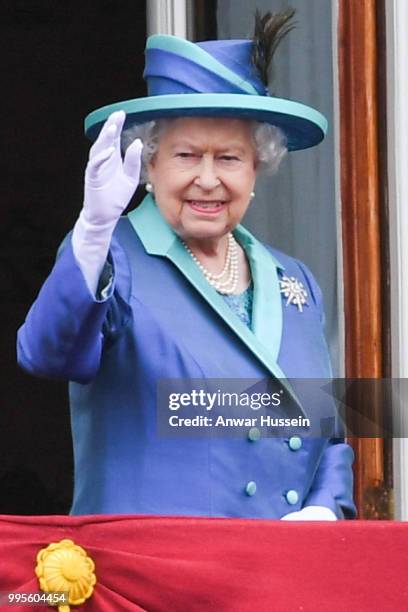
{"x": 184, "y": 154}
{"x": 229, "y": 158}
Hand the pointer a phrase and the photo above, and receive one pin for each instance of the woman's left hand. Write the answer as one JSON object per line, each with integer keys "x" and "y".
{"x": 311, "y": 513}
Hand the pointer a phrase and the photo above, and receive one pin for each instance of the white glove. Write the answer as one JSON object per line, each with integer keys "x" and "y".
{"x": 109, "y": 186}
{"x": 311, "y": 513}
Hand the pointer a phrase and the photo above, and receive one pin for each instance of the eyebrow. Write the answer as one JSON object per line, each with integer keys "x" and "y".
{"x": 234, "y": 146}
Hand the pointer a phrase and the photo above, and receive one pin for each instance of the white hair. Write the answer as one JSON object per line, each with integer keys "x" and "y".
{"x": 270, "y": 143}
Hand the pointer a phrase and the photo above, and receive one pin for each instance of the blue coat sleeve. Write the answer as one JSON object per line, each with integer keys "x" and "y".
{"x": 332, "y": 486}
{"x": 333, "y": 482}
{"x": 64, "y": 331}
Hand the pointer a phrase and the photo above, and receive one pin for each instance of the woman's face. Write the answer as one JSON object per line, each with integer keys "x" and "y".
{"x": 203, "y": 174}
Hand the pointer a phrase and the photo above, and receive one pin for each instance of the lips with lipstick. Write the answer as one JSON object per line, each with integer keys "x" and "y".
{"x": 207, "y": 206}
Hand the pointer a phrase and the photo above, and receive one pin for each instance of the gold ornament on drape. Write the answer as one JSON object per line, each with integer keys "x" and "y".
{"x": 65, "y": 567}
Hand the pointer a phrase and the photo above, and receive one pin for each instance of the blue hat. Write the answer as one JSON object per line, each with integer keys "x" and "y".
{"x": 211, "y": 79}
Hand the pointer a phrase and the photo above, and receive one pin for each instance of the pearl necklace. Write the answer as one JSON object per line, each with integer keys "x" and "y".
{"x": 231, "y": 268}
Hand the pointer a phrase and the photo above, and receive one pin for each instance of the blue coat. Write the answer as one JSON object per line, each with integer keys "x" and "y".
{"x": 160, "y": 319}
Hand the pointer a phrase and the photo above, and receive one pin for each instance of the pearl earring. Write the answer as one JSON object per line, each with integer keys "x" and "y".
{"x": 149, "y": 187}
{"x": 252, "y": 194}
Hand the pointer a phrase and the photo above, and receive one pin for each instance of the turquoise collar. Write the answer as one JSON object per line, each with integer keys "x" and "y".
{"x": 159, "y": 238}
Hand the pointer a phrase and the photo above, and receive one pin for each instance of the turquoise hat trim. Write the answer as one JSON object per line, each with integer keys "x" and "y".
{"x": 307, "y": 126}
{"x": 191, "y": 51}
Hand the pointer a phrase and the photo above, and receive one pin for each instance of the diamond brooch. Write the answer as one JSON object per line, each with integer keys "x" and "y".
{"x": 294, "y": 291}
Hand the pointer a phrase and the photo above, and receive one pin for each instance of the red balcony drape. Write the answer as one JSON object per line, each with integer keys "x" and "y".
{"x": 235, "y": 565}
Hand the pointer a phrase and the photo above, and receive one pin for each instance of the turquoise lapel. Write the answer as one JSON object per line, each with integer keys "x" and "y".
{"x": 267, "y": 306}
{"x": 158, "y": 238}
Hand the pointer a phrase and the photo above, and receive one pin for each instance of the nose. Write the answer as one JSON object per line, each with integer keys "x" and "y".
{"x": 207, "y": 176}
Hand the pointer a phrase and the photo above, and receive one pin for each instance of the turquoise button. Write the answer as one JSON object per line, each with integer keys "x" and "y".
{"x": 254, "y": 434}
{"x": 295, "y": 442}
{"x": 250, "y": 489}
{"x": 292, "y": 497}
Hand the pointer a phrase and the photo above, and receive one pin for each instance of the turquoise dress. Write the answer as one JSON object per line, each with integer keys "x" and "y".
{"x": 241, "y": 305}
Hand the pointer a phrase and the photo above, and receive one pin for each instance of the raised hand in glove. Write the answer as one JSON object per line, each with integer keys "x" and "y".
{"x": 110, "y": 183}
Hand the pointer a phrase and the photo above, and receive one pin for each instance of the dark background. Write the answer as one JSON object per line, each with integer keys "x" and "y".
{"x": 61, "y": 60}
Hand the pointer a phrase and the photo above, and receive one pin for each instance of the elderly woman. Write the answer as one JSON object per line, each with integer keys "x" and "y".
{"x": 178, "y": 290}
